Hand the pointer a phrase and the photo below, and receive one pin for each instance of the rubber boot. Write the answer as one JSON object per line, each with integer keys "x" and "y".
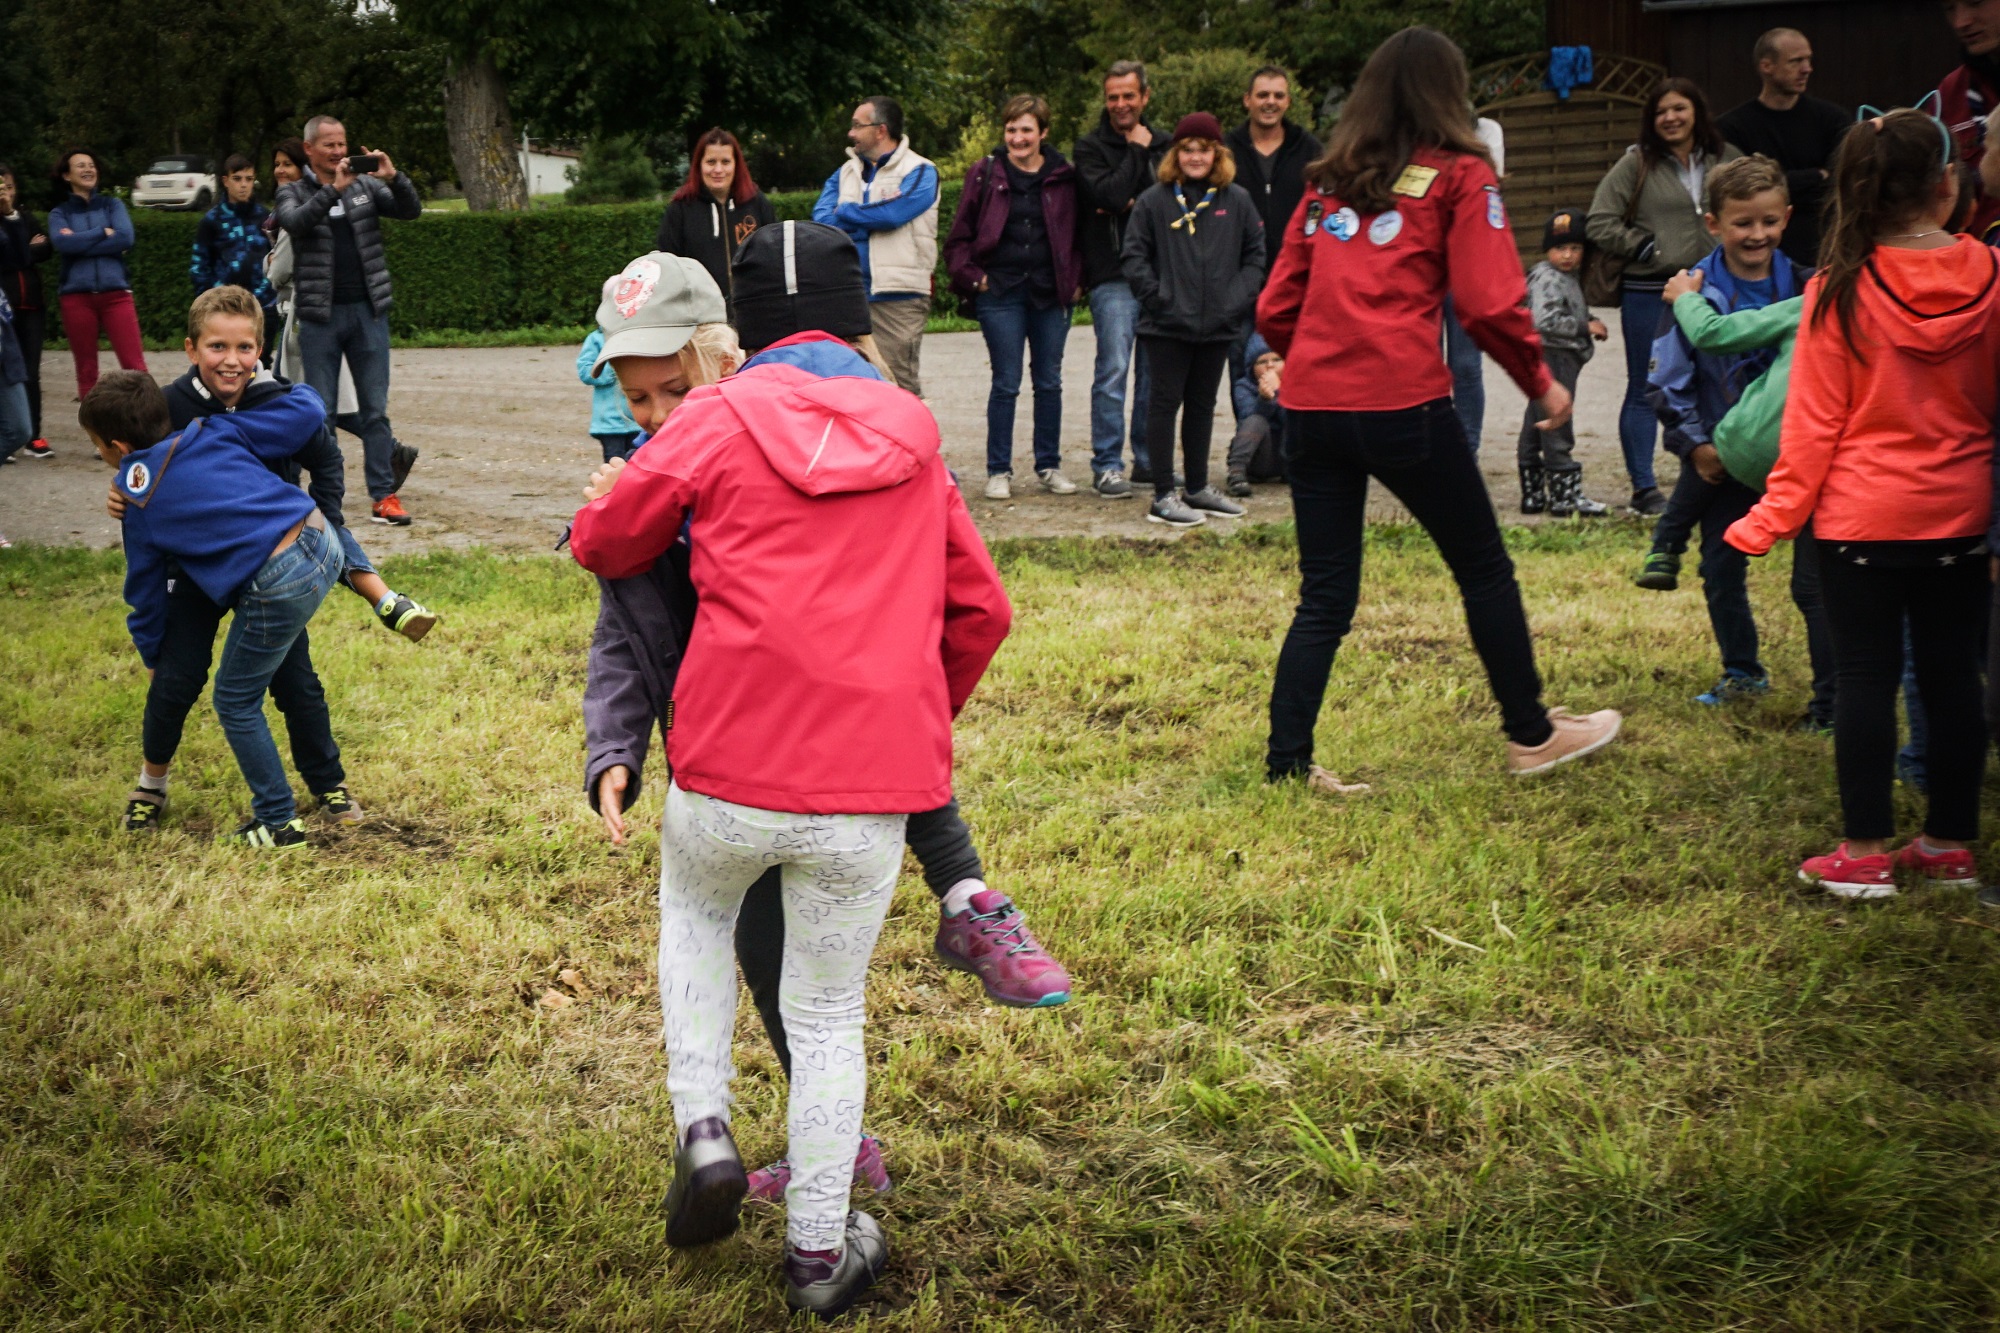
{"x": 1534, "y": 488}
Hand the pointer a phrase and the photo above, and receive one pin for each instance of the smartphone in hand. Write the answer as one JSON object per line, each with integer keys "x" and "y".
{"x": 364, "y": 164}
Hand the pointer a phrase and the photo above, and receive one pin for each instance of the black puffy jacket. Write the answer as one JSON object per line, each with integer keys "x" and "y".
{"x": 303, "y": 208}
{"x": 1196, "y": 283}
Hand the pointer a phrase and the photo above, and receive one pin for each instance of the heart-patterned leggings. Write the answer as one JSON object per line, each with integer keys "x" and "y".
{"x": 839, "y": 872}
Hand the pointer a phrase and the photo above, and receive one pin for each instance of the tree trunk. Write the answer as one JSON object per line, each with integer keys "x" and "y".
{"x": 481, "y": 134}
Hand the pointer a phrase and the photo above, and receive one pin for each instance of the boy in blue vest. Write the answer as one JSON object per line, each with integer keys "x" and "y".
{"x": 267, "y": 554}
{"x": 1747, "y": 209}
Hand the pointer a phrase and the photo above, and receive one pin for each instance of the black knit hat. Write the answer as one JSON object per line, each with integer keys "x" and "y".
{"x": 797, "y": 276}
{"x": 1565, "y": 228}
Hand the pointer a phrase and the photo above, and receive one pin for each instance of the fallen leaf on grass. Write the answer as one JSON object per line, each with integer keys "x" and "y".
{"x": 555, "y": 999}
{"x": 573, "y": 979}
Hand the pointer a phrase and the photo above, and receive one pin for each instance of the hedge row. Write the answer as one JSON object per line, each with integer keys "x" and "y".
{"x": 478, "y": 272}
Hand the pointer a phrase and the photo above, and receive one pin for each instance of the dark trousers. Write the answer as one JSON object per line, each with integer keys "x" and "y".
{"x": 1724, "y": 569}
{"x": 1420, "y": 454}
{"x": 617, "y": 445}
{"x": 1807, "y": 595}
{"x": 943, "y": 848}
{"x": 1552, "y": 450}
{"x": 32, "y": 327}
{"x": 187, "y": 648}
{"x": 1865, "y": 606}
{"x": 1257, "y": 450}
{"x": 353, "y": 332}
{"x": 1184, "y": 377}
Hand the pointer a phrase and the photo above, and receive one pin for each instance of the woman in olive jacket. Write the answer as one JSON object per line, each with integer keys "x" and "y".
{"x": 1194, "y": 255}
{"x": 715, "y": 210}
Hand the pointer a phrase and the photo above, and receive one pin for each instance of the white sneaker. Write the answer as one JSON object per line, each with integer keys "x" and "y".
{"x": 1000, "y": 486}
{"x": 1573, "y": 738}
{"x": 1055, "y": 483}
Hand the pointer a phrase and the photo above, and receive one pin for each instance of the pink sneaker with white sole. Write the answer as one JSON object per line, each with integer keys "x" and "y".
{"x": 767, "y": 1183}
{"x": 992, "y": 942}
{"x": 1945, "y": 867}
{"x": 1847, "y": 876}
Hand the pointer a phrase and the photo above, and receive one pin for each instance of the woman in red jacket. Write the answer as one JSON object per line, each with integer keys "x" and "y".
{"x": 1887, "y": 448}
{"x": 1402, "y": 210}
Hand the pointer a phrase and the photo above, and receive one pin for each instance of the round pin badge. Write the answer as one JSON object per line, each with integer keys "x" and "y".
{"x": 1386, "y": 228}
{"x": 137, "y": 478}
{"x": 1343, "y": 225}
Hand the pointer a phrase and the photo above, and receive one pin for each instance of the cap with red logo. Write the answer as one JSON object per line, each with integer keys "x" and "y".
{"x": 653, "y": 307}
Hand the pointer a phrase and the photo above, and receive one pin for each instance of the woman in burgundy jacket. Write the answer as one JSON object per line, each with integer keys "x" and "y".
{"x": 1012, "y": 255}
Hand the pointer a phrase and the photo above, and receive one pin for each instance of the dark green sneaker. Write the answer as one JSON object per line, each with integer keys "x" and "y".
{"x": 1661, "y": 572}
{"x": 143, "y": 810}
{"x": 338, "y": 806}
{"x": 407, "y": 618}
{"x": 290, "y": 835}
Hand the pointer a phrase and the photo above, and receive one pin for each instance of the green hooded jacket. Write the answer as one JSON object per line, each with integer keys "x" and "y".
{"x": 1746, "y": 438}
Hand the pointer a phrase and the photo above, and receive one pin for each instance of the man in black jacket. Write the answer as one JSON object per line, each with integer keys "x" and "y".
{"x": 1798, "y": 132}
{"x": 1115, "y": 163}
{"x": 342, "y": 292}
{"x": 1271, "y": 156}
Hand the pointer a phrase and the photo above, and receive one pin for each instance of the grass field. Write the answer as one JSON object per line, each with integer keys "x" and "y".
{"x": 1464, "y": 1053}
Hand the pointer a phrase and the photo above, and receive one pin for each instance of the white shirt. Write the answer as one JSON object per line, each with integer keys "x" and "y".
{"x": 1496, "y": 143}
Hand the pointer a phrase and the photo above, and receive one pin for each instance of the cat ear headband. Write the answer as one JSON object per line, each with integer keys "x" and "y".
{"x": 1931, "y": 103}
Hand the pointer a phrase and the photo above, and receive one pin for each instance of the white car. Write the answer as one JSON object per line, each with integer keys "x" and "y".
{"x": 177, "y": 182}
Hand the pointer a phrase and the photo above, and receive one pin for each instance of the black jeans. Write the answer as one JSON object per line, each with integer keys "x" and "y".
{"x": 1865, "y": 607}
{"x": 187, "y": 647}
{"x": 1811, "y": 601}
{"x": 31, "y": 328}
{"x": 943, "y": 848}
{"x": 1183, "y": 378}
{"x": 1420, "y": 454}
{"x": 1724, "y": 569}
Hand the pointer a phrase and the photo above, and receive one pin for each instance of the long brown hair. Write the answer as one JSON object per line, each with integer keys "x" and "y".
{"x": 1885, "y": 174}
{"x": 741, "y": 188}
{"x": 1707, "y": 138}
{"x": 1412, "y": 93}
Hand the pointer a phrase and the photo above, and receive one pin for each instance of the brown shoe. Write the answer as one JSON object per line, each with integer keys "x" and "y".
{"x": 1574, "y": 737}
{"x": 1321, "y": 780}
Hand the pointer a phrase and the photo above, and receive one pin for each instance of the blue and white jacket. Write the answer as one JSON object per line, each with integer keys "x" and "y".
{"x": 173, "y": 519}
{"x": 1691, "y": 390}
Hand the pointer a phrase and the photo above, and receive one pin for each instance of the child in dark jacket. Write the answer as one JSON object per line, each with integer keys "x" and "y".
{"x": 1551, "y": 478}
{"x": 234, "y": 240}
{"x": 266, "y": 554}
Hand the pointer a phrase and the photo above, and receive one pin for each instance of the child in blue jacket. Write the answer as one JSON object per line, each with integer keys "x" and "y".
{"x": 267, "y": 554}
{"x": 611, "y": 424}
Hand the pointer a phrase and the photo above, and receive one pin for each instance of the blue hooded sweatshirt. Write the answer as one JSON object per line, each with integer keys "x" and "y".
{"x": 173, "y": 516}
{"x": 91, "y": 261}
{"x": 1691, "y": 390}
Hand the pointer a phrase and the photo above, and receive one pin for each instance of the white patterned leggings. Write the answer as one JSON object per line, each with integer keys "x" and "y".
{"x": 839, "y": 873}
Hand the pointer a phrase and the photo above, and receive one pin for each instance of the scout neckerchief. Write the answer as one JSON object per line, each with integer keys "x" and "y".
{"x": 1188, "y": 215}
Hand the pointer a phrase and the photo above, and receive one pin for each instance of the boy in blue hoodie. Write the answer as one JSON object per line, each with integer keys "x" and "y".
{"x": 1747, "y": 209}
{"x": 267, "y": 555}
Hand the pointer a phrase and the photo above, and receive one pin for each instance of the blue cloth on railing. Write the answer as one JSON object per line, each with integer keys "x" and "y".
{"x": 1569, "y": 67}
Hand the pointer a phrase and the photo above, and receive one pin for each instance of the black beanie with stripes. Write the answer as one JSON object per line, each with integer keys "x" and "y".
{"x": 794, "y": 276}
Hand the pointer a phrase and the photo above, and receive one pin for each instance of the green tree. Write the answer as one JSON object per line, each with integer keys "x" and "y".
{"x": 614, "y": 169}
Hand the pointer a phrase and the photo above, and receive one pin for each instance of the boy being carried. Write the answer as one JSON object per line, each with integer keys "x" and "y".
{"x": 267, "y": 554}
{"x": 1691, "y": 391}
{"x": 1551, "y": 478}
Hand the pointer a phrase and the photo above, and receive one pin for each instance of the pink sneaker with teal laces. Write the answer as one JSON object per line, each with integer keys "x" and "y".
{"x": 991, "y": 941}
{"x": 767, "y": 1183}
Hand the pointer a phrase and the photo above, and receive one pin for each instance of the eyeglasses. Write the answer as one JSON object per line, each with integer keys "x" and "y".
{"x": 862, "y": 124}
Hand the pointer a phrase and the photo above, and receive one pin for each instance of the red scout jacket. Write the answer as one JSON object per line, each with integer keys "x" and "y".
{"x": 1354, "y": 301}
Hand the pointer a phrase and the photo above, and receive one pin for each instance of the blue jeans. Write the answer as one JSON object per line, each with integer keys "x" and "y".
{"x": 17, "y": 422}
{"x": 360, "y": 335}
{"x": 1468, "y": 377}
{"x": 1114, "y": 311}
{"x": 270, "y": 615}
{"x": 1639, "y": 315}
{"x": 1010, "y": 323}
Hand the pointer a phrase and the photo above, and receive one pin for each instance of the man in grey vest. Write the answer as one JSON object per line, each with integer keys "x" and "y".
{"x": 885, "y": 197}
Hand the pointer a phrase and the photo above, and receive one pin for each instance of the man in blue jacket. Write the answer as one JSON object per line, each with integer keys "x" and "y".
{"x": 885, "y": 198}
{"x": 266, "y": 554}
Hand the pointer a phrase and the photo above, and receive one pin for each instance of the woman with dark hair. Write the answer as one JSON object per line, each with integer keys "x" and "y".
{"x": 1647, "y": 211}
{"x": 24, "y": 245}
{"x": 1402, "y": 210}
{"x": 93, "y": 234}
{"x": 232, "y": 242}
{"x": 1012, "y": 254}
{"x": 1194, "y": 256}
{"x": 716, "y": 209}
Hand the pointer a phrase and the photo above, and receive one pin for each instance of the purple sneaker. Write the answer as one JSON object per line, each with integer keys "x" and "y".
{"x": 767, "y": 1183}
{"x": 991, "y": 941}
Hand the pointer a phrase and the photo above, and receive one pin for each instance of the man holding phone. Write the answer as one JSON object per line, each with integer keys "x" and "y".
{"x": 342, "y": 292}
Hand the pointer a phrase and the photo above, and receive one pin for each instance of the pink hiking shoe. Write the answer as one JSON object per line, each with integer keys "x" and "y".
{"x": 767, "y": 1183}
{"x": 991, "y": 941}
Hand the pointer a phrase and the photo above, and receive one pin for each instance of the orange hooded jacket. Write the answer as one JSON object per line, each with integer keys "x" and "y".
{"x": 1889, "y": 436}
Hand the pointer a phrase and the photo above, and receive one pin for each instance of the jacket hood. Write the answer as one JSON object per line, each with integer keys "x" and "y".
{"x": 831, "y": 434}
{"x": 1932, "y": 303}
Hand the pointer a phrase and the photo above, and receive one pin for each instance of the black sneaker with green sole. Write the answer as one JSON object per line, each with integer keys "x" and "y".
{"x": 143, "y": 810}
{"x": 407, "y": 618}
{"x": 1661, "y": 572}
{"x": 288, "y": 836}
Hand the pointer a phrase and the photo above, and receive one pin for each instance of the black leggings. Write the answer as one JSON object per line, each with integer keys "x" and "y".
{"x": 1420, "y": 454}
{"x": 1184, "y": 378}
{"x": 1865, "y": 607}
{"x": 943, "y": 847}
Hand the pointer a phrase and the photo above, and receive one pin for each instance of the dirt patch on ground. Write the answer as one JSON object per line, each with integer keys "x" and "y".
{"x": 506, "y": 450}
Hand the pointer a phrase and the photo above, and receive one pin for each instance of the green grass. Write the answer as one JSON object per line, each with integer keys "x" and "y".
{"x": 1656, "y": 1086}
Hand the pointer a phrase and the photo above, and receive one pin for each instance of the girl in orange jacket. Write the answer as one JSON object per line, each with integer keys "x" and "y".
{"x": 1887, "y": 447}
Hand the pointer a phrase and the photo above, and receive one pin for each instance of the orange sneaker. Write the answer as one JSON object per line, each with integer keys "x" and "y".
{"x": 389, "y": 509}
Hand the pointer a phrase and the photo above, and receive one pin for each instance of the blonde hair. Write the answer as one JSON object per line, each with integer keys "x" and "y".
{"x": 219, "y": 301}
{"x": 710, "y": 355}
{"x": 1219, "y": 175}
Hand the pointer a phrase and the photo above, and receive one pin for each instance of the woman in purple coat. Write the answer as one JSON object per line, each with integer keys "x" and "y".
{"x": 1012, "y": 257}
